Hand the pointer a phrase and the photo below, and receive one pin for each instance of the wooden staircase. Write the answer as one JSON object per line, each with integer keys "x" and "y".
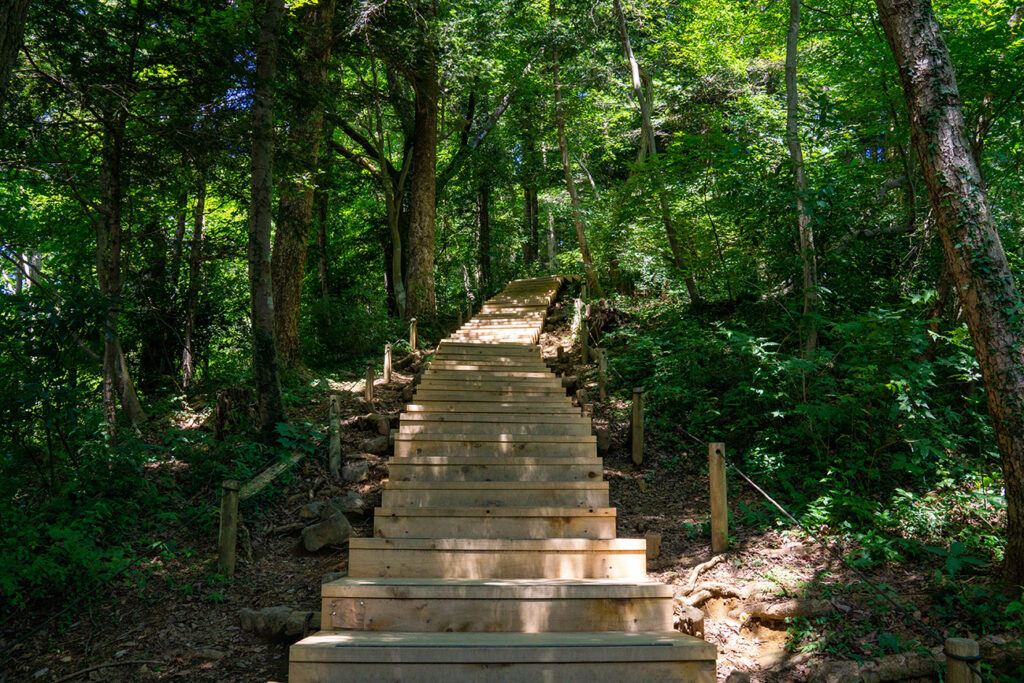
{"x": 494, "y": 555}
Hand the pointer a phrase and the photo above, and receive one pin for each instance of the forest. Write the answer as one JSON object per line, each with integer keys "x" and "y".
{"x": 799, "y": 226}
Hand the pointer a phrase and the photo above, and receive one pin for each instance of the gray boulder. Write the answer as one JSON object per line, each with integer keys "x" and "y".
{"x": 334, "y": 530}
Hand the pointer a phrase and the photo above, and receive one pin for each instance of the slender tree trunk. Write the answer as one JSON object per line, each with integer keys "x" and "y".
{"x": 420, "y": 275}
{"x": 117, "y": 381}
{"x": 195, "y": 262}
{"x": 265, "y": 365}
{"x": 180, "y": 223}
{"x": 483, "y": 225}
{"x": 12, "y": 30}
{"x": 973, "y": 251}
{"x": 806, "y": 232}
{"x": 551, "y": 240}
{"x": 295, "y": 208}
{"x": 651, "y": 146}
{"x": 320, "y": 207}
{"x": 563, "y": 147}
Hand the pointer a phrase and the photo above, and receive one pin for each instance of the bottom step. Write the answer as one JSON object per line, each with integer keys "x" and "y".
{"x": 502, "y": 657}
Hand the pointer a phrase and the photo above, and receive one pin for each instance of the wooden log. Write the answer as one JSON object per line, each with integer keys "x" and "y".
{"x": 387, "y": 363}
{"x": 228, "y": 536}
{"x": 368, "y": 389}
{"x": 719, "y": 508}
{"x": 334, "y": 437}
{"x": 413, "y": 340}
{"x": 960, "y": 653}
{"x": 637, "y": 426}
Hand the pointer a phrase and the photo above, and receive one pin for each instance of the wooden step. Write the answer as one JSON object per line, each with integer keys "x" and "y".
{"x": 495, "y": 523}
{"x": 586, "y": 493}
{"x": 499, "y": 418}
{"x": 476, "y": 468}
{"x": 496, "y": 428}
{"x": 473, "y": 605}
{"x": 476, "y": 373}
{"x": 524, "y": 445}
{"x": 611, "y": 657}
{"x": 467, "y": 383}
{"x": 462, "y": 558}
{"x": 534, "y": 396}
{"x": 492, "y": 407}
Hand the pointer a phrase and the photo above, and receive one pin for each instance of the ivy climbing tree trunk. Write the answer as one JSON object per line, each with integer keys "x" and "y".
{"x": 971, "y": 245}
{"x": 295, "y": 208}
{"x": 265, "y": 365}
{"x": 804, "y": 229}
{"x": 644, "y": 104}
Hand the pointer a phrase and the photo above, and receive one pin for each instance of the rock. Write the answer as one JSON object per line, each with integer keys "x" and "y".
{"x": 349, "y": 502}
{"x": 569, "y": 384}
{"x": 381, "y": 423}
{"x": 653, "y": 545}
{"x": 311, "y": 511}
{"x": 407, "y": 392}
{"x": 332, "y": 576}
{"x": 378, "y": 445}
{"x": 276, "y": 622}
{"x": 604, "y": 440}
{"x": 738, "y": 677}
{"x": 776, "y": 611}
{"x": 691, "y": 621}
{"x": 332, "y": 531}
{"x": 355, "y": 471}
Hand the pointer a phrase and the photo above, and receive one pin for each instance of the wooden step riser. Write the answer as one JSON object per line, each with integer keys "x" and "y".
{"x": 497, "y": 472}
{"x": 487, "y": 564}
{"x": 499, "y": 385}
{"x": 448, "y": 448}
{"x": 427, "y": 498}
{"x": 490, "y": 408}
{"x": 493, "y": 352}
{"x": 495, "y": 418}
{"x": 492, "y": 527}
{"x": 496, "y": 374}
{"x": 363, "y": 613}
{"x": 494, "y": 428}
{"x": 531, "y": 396}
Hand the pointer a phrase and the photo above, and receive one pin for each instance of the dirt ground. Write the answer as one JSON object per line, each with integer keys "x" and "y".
{"x": 180, "y": 626}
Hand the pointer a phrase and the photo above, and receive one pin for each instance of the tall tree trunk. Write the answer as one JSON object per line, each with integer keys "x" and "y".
{"x": 265, "y": 365}
{"x": 117, "y": 381}
{"x": 12, "y": 30}
{"x": 551, "y": 239}
{"x": 483, "y": 225}
{"x": 806, "y": 232}
{"x": 195, "y": 262}
{"x": 644, "y": 104}
{"x": 563, "y": 147}
{"x": 420, "y": 275}
{"x": 973, "y": 251}
{"x": 295, "y": 208}
{"x": 180, "y": 223}
{"x": 320, "y": 207}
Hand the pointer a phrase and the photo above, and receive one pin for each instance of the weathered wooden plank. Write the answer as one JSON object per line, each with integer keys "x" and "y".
{"x": 495, "y": 522}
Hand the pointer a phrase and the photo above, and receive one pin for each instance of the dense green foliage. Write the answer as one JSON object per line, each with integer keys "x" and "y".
{"x": 881, "y": 437}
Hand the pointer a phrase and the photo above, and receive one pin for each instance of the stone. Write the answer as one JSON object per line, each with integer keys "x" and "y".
{"x": 334, "y": 530}
{"x": 691, "y": 621}
{"x": 407, "y": 392}
{"x": 738, "y": 677}
{"x": 604, "y": 440}
{"x": 381, "y": 423}
{"x": 311, "y": 511}
{"x": 355, "y": 471}
{"x": 349, "y": 502}
{"x": 776, "y": 611}
{"x": 378, "y": 445}
{"x": 274, "y": 622}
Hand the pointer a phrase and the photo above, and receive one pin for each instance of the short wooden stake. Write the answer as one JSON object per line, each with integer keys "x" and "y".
{"x": 334, "y": 434}
{"x": 637, "y": 426}
{"x": 368, "y": 390}
{"x": 583, "y": 292}
{"x": 585, "y": 340}
{"x": 719, "y": 508}
{"x": 602, "y": 375}
{"x": 458, "y": 323}
{"x": 387, "y": 363}
{"x": 413, "y": 340}
{"x": 228, "y": 528}
{"x": 957, "y": 670}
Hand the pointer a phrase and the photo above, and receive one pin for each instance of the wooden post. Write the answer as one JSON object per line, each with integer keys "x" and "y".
{"x": 334, "y": 435}
{"x": 719, "y": 508}
{"x": 368, "y": 391}
{"x": 583, "y": 292}
{"x": 413, "y": 341}
{"x": 387, "y": 364}
{"x": 585, "y": 340}
{"x": 458, "y": 323}
{"x": 637, "y": 426}
{"x": 602, "y": 374}
{"x": 957, "y": 670}
{"x": 228, "y": 528}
